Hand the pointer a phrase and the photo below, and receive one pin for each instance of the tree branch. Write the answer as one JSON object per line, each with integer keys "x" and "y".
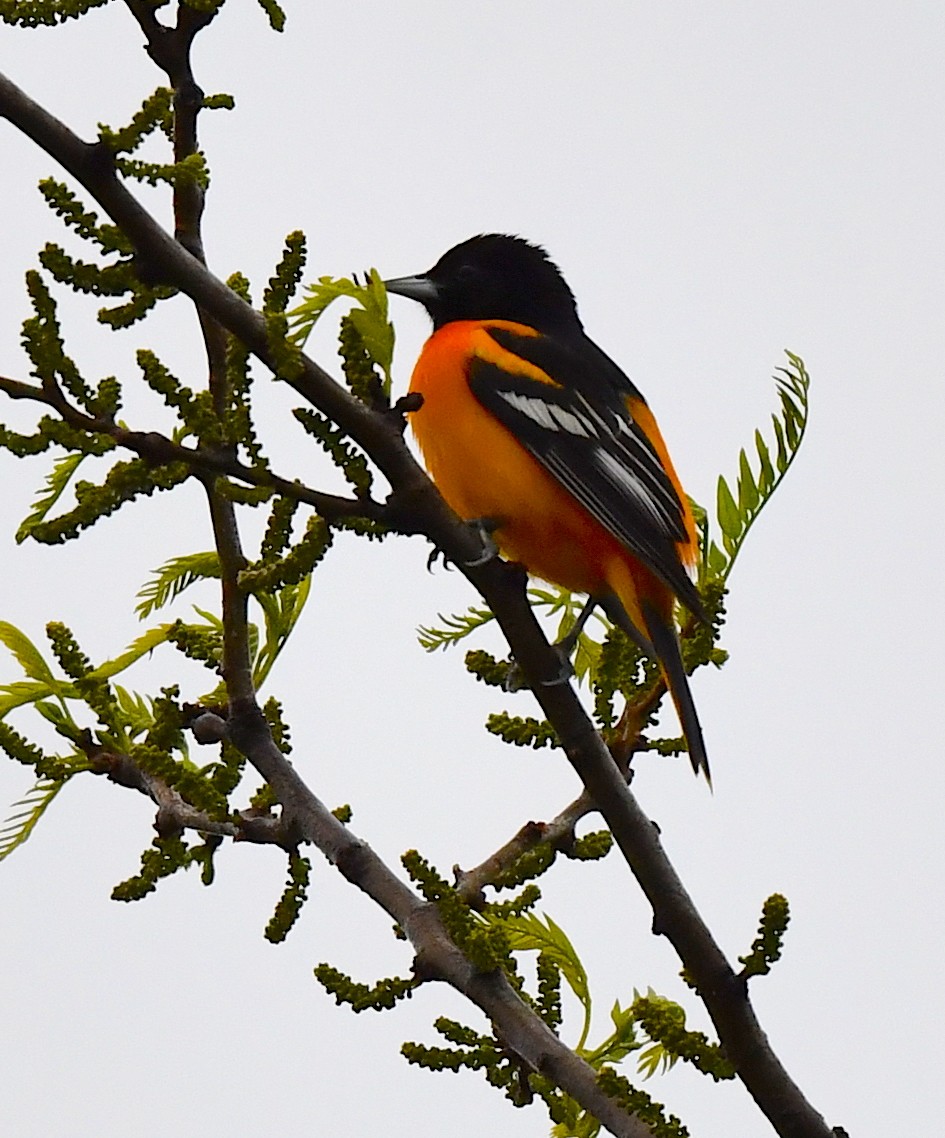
{"x": 437, "y": 955}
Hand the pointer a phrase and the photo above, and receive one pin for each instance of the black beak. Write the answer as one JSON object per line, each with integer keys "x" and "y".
{"x": 419, "y": 288}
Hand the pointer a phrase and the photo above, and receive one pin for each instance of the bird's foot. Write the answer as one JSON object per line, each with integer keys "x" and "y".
{"x": 515, "y": 680}
{"x": 484, "y": 528}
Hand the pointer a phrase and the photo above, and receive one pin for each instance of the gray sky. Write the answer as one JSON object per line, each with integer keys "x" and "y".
{"x": 718, "y": 183}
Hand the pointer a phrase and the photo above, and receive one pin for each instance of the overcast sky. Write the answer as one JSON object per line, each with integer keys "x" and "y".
{"x": 718, "y": 183}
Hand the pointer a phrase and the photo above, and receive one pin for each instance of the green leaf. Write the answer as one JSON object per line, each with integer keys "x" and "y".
{"x": 370, "y": 318}
{"x": 28, "y": 656}
{"x": 586, "y": 657}
{"x": 209, "y": 618}
{"x": 319, "y": 296}
{"x": 766, "y": 478}
{"x": 653, "y": 1057}
{"x": 621, "y": 1041}
{"x": 56, "y": 482}
{"x": 372, "y": 323}
{"x": 174, "y": 577}
{"x": 140, "y": 647}
{"x": 792, "y": 430}
{"x": 19, "y": 826}
{"x": 454, "y": 628}
{"x": 60, "y": 718}
{"x": 790, "y": 411}
{"x": 281, "y": 613}
{"x": 555, "y": 599}
{"x": 747, "y": 490}
{"x": 527, "y": 932}
{"x": 24, "y": 691}
{"x": 136, "y": 710}
{"x": 783, "y": 454}
{"x": 727, "y": 511}
{"x": 716, "y": 561}
{"x": 755, "y": 491}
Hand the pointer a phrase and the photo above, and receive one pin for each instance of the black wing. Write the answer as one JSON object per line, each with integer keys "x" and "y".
{"x": 582, "y": 432}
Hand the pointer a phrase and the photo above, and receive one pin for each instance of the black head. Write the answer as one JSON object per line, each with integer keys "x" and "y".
{"x": 494, "y": 277}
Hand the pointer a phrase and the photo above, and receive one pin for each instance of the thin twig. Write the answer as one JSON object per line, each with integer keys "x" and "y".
{"x": 161, "y": 450}
{"x": 175, "y": 814}
{"x": 558, "y": 833}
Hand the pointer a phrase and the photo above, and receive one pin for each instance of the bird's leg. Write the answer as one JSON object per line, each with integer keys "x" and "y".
{"x": 515, "y": 681}
{"x": 485, "y": 528}
{"x": 567, "y": 643}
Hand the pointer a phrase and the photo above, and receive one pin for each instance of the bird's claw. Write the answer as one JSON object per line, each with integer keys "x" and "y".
{"x": 437, "y": 554}
{"x": 484, "y": 528}
{"x": 565, "y": 669}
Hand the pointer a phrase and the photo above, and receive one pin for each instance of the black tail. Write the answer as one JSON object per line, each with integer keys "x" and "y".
{"x": 666, "y": 646}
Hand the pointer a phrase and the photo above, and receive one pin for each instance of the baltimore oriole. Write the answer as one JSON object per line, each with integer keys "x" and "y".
{"x": 526, "y": 423}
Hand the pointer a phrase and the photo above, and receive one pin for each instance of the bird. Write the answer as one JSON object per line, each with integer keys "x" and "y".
{"x": 527, "y": 426}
